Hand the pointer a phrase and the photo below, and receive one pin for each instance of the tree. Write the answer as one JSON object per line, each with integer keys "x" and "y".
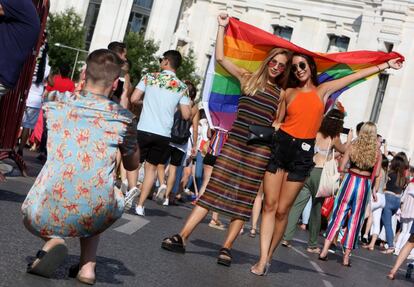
{"x": 141, "y": 54}
{"x": 187, "y": 69}
{"x": 65, "y": 28}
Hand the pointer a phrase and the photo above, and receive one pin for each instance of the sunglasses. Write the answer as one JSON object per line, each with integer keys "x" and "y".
{"x": 161, "y": 59}
{"x": 301, "y": 65}
{"x": 280, "y": 66}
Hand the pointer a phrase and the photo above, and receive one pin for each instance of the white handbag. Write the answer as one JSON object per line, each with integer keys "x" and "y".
{"x": 330, "y": 176}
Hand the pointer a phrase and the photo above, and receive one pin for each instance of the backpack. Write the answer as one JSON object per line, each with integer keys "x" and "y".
{"x": 180, "y": 131}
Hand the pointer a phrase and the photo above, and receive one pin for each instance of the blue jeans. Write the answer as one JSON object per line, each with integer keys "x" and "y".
{"x": 392, "y": 203}
{"x": 199, "y": 170}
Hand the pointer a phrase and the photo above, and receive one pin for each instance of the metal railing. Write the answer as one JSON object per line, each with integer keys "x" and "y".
{"x": 12, "y": 105}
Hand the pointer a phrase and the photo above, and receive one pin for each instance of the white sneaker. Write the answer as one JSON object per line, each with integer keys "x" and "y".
{"x": 187, "y": 191}
{"x": 159, "y": 197}
{"x": 140, "y": 210}
{"x": 130, "y": 197}
{"x": 166, "y": 202}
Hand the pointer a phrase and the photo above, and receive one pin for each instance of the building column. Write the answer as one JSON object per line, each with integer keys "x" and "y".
{"x": 112, "y": 22}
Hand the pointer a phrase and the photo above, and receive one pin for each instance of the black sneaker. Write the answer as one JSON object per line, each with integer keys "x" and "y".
{"x": 364, "y": 240}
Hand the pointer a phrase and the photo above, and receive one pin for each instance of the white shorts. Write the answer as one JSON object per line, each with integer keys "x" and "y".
{"x": 30, "y": 117}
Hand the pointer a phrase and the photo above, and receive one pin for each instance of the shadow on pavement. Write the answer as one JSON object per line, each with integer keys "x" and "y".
{"x": 6, "y": 195}
{"x": 107, "y": 270}
{"x": 240, "y": 257}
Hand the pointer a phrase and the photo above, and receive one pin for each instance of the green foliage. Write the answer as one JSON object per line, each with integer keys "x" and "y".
{"x": 65, "y": 28}
{"x": 141, "y": 55}
{"x": 187, "y": 69}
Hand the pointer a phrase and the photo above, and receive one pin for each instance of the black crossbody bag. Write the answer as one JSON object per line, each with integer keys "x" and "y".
{"x": 260, "y": 134}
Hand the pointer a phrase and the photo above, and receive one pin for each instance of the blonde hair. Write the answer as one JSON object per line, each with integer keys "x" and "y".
{"x": 252, "y": 82}
{"x": 364, "y": 148}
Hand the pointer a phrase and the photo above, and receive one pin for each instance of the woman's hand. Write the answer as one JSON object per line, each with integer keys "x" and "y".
{"x": 396, "y": 63}
{"x": 374, "y": 196}
{"x": 223, "y": 19}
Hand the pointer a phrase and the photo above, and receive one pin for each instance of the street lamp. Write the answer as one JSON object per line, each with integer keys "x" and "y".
{"x": 77, "y": 55}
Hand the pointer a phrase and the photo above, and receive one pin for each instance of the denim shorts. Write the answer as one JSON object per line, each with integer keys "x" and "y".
{"x": 293, "y": 155}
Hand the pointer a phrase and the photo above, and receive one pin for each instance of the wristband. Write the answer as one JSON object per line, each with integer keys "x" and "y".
{"x": 389, "y": 66}
{"x": 379, "y": 69}
{"x": 222, "y": 26}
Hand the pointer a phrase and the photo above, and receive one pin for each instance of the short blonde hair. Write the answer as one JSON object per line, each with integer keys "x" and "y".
{"x": 364, "y": 148}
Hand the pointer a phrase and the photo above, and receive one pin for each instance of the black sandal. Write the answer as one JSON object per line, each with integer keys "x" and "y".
{"x": 174, "y": 243}
{"x": 224, "y": 261}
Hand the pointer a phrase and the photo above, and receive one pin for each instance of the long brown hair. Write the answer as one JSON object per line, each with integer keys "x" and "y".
{"x": 258, "y": 79}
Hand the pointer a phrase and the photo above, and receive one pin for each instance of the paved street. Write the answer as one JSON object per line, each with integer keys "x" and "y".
{"x": 130, "y": 254}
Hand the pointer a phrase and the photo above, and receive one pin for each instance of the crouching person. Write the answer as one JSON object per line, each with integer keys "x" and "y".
{"x": 74, "y": 195}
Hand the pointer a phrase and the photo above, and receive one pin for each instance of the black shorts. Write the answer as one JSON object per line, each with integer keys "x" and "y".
{"x": 210, "y": 159}
{"x": 176, "y": 155}
{"x": 152, "y": 147}
{"x": 295, "y": 156}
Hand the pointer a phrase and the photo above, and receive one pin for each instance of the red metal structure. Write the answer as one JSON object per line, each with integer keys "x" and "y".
{"x": 12, "y": 104}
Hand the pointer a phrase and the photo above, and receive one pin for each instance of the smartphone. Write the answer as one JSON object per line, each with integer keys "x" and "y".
{"x": 345, "y": 130}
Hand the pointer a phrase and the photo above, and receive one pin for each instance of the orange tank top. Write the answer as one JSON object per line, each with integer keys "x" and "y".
{"x": 304, "y": 115}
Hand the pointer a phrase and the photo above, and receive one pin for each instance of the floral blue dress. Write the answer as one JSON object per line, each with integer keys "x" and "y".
{"x": 74, "y": 195}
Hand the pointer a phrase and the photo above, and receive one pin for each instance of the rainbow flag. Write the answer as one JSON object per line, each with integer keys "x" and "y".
{"x": 247, "y": 46}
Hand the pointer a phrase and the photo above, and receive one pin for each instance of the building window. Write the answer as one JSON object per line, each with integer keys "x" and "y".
{"x": 338, "y": 44}
{"x": 379, "y": 97}
{"x": 283, "y": 32}
{"x": 139, "y": 17}
{"x": 90, "y": 20}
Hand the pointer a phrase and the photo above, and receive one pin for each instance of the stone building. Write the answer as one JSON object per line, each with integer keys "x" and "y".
{"x": 318, "y": 25}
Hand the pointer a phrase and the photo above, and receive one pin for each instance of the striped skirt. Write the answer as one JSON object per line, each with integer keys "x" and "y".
{"x": 352, "y": 199}
{"x": 236, "y": 178}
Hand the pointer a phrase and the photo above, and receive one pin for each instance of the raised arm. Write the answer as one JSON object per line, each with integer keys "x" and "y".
{"x": 234, "y": 70}
{"x": 341, "y": 147}
{"x": 196, "y": 119}
{"x": 136, "y": 96}
{"x": 344, "y": 160}
{"x": 328, "y": 88}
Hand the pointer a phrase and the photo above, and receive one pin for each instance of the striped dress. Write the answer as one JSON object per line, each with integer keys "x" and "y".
{"x": 239, "y": 168}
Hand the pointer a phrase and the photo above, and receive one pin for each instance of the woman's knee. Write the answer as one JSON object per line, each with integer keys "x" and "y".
{"x": 282, "y": 214}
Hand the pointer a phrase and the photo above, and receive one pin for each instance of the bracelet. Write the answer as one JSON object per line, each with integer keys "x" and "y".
{"x": 222, "y": 26}
{"x": 379, "y": 69}
{"x": 389, "y": 66}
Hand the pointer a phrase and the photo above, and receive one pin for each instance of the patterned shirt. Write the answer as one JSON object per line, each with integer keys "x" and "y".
{"x": 163, "y": 92}
{"x": 74, "y": 196}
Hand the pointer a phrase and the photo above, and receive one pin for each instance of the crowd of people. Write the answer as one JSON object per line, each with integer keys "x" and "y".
{"x": 101, "y": 133}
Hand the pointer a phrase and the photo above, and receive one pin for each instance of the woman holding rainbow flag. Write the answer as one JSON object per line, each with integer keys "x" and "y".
{"x": 239, "y": 169}
{"x": 303, "y": 105}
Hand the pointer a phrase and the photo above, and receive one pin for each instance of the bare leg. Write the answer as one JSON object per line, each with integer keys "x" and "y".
{"x": 161, "y": 174}
{"x": 232, "y": 233}
{"x": 23, "y": 139}
{"x": 149, "y": 178}
{"x": 404, "y": 252}
{"x": 170, "y": 180}
{"x": 288, "y": 194}
{"x": 257, "y": 207}
{"x": 132, "y": 177}
{"x": 368, "y": 225}
{"x": 89, "y": 247}
{"x": 196, "y": 216}
{"x": 371, "y": 245}
{"x": 345, "y": 260}
{"x": 272, "y": 184}
{"x": 325, "y": 248}
{"x": 208, "y": 170}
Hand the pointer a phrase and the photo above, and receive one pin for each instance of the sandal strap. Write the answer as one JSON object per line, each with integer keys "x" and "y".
{"x": 225, "y": 251}
{"x": 175, "y": 239}
{"x": 40, "y": 254}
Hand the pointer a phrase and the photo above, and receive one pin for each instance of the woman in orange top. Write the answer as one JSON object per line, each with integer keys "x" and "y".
{"x": 293, "y": 146}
